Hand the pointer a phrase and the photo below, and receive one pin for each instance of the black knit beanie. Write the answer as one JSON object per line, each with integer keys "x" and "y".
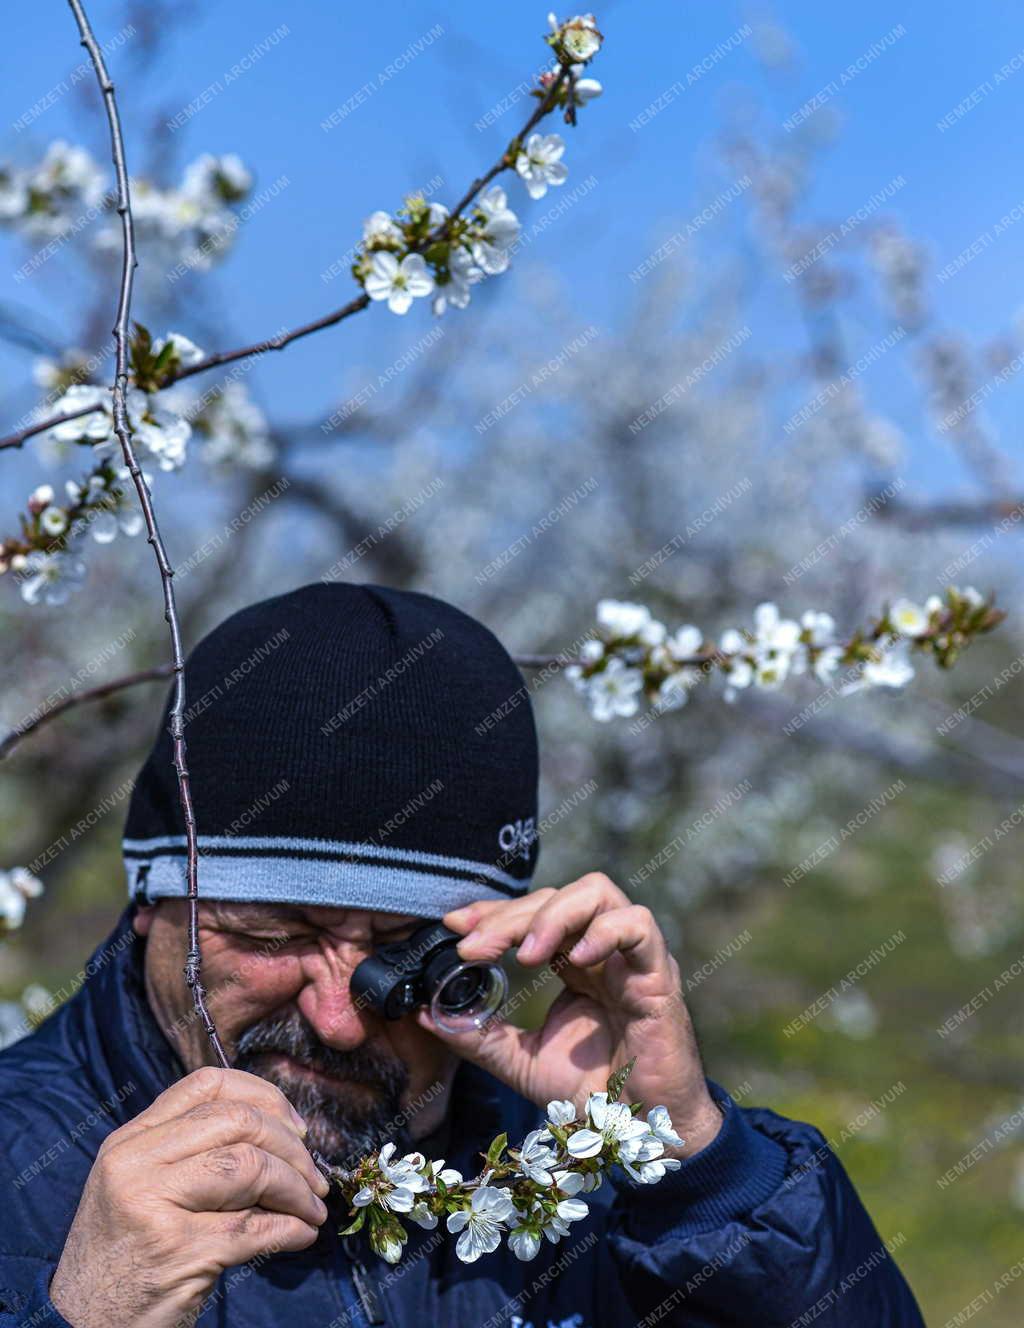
{"x": 348, "y": 745}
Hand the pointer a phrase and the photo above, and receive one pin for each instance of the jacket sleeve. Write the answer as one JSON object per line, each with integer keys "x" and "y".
{"x": 763, "y": 1225}
{"x": 25, "y": 1294}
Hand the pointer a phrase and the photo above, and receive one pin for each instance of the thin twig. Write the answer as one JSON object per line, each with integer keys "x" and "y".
{"x": 505, "y": 162}
{"x": 105, "y": 689}
{"x": 926, "y": 516}
{"x": 123, "y": 432}
{"x": 16, "y": 439}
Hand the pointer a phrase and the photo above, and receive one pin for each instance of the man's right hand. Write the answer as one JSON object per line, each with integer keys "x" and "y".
{"x": 212, "y": 1174}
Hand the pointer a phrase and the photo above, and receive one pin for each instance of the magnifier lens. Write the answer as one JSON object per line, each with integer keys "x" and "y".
{"x": 468, "y": 996}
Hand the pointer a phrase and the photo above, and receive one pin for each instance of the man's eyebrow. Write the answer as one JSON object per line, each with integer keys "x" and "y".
{"x": 258, "y": 915}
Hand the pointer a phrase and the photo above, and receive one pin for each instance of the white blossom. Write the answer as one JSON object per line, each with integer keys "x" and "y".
{"x": 390, "y": 1247}
{"x": 379, "y": 227}
{"x": 93, "y": 428}
{"x": 462, "y": 273}
{"x": 685, "y": 642}
{"x": 570, "y": 1183}
{"x": 578, "y": 35}
{"x": 908, "y": 618}
{"x": 561, "y": 1112}
{"x": 400, "y": 1182}
{"x": 233, "y": 428}
{"x": 54, "y": 521}
{"x": 583, "y": 89}
{"x": 674, "y": 691}
{"x": 612, "y": 1124}
{"x": 49, "y": 577}
{"x": 12, "y": 904}
{"x": 422, "y": 1216}
{"x": 16, "y": 886}
{"x": 37, "y": 1001}
{"x": 49, "y": 373}
{"x": 524, "y": 1243}
{"x": 893, "y": 669}
{"x": 827, "y": 662}
{"x": 660, "y": 1124}
{"x": 187, "y": 351}
{"x": 211, "y": 180}
{"x": 615, "y": 691}
{"x": 540, "y": 163}
{"x": 398, "y": 283}
{"x": 447, "y": 1174}
{"x": 619, "y": 618}
{"x": 774, "y": 633}
{"x": 163, "y": 433}
{"x": 536, "y": 1158}
{"x": 821, "y": 627}
{"x": 482, "y": 1223}
{"x": 497, "y": 234}
{"x": 649, "y": 1173}
{"x": 105, "y": 526}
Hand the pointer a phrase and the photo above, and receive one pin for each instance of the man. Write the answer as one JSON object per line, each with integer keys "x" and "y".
{"x": 361, "y": 759}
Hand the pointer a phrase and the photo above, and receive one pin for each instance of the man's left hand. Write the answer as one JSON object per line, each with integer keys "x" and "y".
{"x": 623, "y": 998}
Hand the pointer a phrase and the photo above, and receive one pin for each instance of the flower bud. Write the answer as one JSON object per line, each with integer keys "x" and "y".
{"x": 40, "y": 498}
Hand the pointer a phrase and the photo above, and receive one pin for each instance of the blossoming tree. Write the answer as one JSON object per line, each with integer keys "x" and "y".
{"x": 423, "y": 251}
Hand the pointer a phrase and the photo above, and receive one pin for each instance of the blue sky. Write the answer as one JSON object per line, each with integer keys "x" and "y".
{"x": 420, "y": 122}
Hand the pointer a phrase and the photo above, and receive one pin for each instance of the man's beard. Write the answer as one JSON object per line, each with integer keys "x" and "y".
{"x": 344, "y": 1126}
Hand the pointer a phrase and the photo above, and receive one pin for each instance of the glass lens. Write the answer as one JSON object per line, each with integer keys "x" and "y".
{"x": 468, "y": 996}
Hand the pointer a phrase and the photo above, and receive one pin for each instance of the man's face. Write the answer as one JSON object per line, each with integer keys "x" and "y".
{"x": 277, "y": 981}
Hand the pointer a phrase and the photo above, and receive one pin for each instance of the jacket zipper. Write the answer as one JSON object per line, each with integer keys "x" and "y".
{"x": 368, "y": 1296}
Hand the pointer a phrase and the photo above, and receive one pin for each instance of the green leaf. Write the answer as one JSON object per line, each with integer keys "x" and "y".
{"x": 356, "y": 1225}
{"x": 617, "y": 1081}
{"x": 496, "y": 1149}
{"x": 164, "y": 358}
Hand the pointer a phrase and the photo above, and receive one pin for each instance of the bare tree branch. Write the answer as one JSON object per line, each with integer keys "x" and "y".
{"x": 123, "y": 431}
{"x": 105, "y": 689}
{"x": 925, "y": 516}
{"x": 41, "y": 426}
{"x": 356, "y": 305}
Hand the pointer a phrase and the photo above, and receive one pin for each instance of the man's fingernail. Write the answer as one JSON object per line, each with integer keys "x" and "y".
{"x": 302, "y": 1126}
{"x": 527, "y": 948}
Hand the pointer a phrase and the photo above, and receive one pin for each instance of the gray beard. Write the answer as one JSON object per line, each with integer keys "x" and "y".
{"x": 343, "y": 1128}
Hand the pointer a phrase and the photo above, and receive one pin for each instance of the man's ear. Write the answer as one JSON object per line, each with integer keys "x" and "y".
{"x": 142, "y": 919}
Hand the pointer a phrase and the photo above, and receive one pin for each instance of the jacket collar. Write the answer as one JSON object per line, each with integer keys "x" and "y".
{"x": 120, "y": 1040}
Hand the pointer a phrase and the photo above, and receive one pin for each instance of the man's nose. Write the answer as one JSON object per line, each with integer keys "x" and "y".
{"x": 327, "y": 1001}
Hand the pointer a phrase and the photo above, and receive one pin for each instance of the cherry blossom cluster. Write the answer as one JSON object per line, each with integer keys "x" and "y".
{"x": 424, "y": 250}
{"x": 16, "y": 887}
{"x": 633, "y": 657}
{"x": 526, "y": 1193}
{"x": 232, "y": 430}
{"x": 43, "y": 557}
{"x": 67, "y": 189}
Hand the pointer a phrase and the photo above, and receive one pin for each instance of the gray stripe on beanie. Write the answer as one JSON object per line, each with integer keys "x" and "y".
{"x": 341, "y": 876}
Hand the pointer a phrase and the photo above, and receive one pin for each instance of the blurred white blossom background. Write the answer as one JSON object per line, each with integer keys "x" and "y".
{"x": 768, "y": 406}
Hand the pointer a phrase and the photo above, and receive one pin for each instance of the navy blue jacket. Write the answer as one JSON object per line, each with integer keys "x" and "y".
{"x": 760, "y": 1228}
